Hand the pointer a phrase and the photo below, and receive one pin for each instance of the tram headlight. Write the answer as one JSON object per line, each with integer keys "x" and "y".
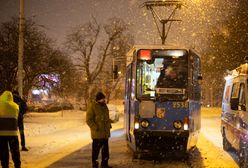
{"x": 186, "y": 126}
{"x": 186, "y": 123}
{"x": 136, "y": 125}
{"x": 145, "y": 123}
{"x": 177, "y": 124}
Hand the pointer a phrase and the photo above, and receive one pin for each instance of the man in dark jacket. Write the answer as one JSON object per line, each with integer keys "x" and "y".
{"x": 97, "y": 118}
{"x": 22, "y": 110}
{"x": 9, "y": 130}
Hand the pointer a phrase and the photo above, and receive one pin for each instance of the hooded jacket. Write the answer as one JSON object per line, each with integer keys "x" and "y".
{"x": 97, "y": 118}
{"x": 8, "y": 115}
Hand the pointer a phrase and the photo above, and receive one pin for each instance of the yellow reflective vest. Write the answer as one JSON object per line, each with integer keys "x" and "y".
{"x": 8, "y": 115}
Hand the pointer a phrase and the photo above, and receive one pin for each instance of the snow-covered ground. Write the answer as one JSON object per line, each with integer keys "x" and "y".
{"x": 62, "y": 139}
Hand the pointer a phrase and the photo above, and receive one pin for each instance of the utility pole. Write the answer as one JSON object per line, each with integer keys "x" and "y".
{"x": 150, "y": 5}
{"x": 20, "y": 49}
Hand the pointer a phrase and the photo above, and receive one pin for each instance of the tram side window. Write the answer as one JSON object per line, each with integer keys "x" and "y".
{"x": 133, "y": 82}
{"x": 128, "y": 82}
{"x": 139, "y": 81}
{"x": 196, "y": 74}
{"x": 196, "y": 69}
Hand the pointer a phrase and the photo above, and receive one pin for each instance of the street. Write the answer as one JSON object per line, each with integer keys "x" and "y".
{"x": 71, "y": 147}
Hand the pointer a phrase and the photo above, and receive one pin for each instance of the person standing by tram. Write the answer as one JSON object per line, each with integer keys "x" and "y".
{"x": 98, "y": 120}
{"x": 22, "y": 110}
{"x": 9, "y": 130}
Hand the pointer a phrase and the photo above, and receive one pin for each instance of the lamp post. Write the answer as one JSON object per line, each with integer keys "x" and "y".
{"x": 20, "y": 49}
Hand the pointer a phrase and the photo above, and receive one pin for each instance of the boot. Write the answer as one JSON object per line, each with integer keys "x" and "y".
{"x": 95, "y": 164}
{"x": 24, "y": 148}
{"x": 106, "y": 166}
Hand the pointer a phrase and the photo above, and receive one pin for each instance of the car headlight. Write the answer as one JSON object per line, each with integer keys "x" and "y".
{"x": 145, "y": 123}
{"x": 177, "y": 124}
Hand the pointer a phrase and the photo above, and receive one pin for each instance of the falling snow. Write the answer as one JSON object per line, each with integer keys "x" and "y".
{"x": 62, "y": 139}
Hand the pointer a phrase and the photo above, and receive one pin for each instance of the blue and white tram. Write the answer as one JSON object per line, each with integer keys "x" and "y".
{"x": 162, "y": 99}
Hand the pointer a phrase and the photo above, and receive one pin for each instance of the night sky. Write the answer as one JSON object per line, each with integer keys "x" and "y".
{"x": 58, "y": 17}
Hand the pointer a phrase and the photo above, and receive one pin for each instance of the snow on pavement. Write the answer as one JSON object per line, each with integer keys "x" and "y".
{"x": 62, "y": 139}
{"x": 210, "y": 127}
{"x": 51, "y": 136}
{"x": 205, "y": 155}
{"x": 48, "y": 133}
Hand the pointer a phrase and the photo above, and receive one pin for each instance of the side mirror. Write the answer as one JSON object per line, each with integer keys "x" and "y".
{"x": 234, "y": 103}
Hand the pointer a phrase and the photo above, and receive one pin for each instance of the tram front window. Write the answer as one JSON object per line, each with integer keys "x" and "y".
{"x": 164, "y": 77}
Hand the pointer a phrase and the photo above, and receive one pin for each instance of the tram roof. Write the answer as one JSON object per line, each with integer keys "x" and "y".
{"x": 138, "y": 47}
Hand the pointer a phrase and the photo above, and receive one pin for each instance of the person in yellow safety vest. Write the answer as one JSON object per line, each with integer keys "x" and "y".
{"x": 9, "y": 130}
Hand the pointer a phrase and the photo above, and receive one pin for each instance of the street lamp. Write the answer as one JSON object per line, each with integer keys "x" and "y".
{"x": 20, "y": 49}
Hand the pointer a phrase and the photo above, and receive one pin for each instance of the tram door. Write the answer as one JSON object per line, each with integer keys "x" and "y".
{"x": 128, "y": 101}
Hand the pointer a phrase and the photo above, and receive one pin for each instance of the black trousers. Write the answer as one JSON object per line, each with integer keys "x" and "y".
{"x": 21, "y": 131}
{"x": 11, "y": 142}
{"x": 97, "y": 145}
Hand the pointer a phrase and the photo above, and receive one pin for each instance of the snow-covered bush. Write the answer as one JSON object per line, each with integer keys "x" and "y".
{"x": 52, "y": 107}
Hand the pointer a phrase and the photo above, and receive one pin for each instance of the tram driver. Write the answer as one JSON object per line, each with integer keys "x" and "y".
{"x": 168, "y": 75}
{"x": 172, "y": 74}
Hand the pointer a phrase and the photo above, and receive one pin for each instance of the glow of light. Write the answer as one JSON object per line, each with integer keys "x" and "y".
{"x": 227, "y": 77}
{"x": 238, "y": 125}
{"x": 35, "y": 92}
{"x": 186, "y": 123}
{"x": 152, "y": 94}
{"x": 145, "y": 54}
{"x": 176, "y": 53}
{"x": 132, "y": 95}
{"x": 186, "y": 126}
{"x": 136, "y": 125}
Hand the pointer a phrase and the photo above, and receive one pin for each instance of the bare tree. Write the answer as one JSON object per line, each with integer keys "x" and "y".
{"x": 39, "y": 55}
{"x": 113, "y": 85}
{"x": 90, "y": 45}
{"x": 227, "y": 49}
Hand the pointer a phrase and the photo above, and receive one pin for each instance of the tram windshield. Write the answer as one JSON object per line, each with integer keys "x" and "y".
{"x": 164, "y": 75}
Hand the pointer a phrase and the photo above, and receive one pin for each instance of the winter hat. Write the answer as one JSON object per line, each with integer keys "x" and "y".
{"x": 100, "y": 96}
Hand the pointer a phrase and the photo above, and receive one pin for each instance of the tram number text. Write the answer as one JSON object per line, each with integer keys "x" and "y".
{"x": 180, "y": 105}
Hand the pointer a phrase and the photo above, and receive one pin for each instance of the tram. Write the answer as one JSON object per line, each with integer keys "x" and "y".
{"x": 162, "y": 99}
